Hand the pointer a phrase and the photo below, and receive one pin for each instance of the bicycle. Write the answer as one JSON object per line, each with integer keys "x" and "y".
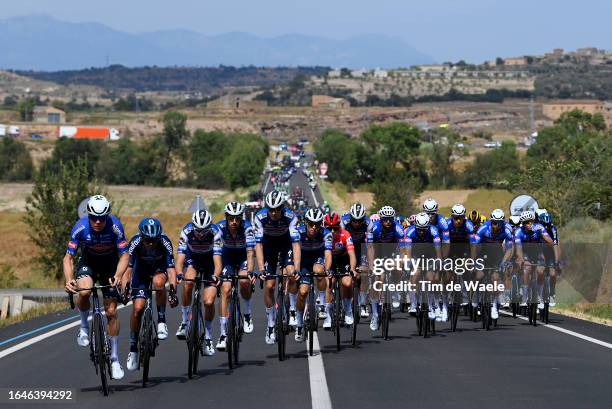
{"x": 338, "y": 310}
{"x": 147, "y": 336}
{"x": 99, "y": 345}
{"x": 425, "y": 325}
{"x": 311, "y": 316}
{"x": 235, "y": 326}
{"x": 195, "y": 333}
{"x": 546, "y": 293}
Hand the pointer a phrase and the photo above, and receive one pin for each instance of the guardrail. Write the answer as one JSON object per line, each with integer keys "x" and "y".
{"x": 14, "y": 301}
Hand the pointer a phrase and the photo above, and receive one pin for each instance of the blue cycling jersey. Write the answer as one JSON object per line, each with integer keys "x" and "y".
{"x": 463, "y": 234}
{"x": 208, "y": 245}
{"x": 276, "y": 233}
{"x": 111, "y": 240}
{"x": 378, "y": 234}
{"x": 359, "y": 234}
{"x": 486, "y": 235}
{"x": 151, "y": 259}
{"x": 442, "y": 225}
{"x": 412, "y": 235}
{"x": 236, "y": 247}
{"x": 314, "y": 247}
{"x": 536, "y": 235}
{"x": 551, "y": 229}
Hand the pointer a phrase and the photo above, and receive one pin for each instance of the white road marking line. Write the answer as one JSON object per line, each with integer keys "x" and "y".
{"x": 319, "y": 393}
{"x": 46, "y": 335}
{"x": 567, "y": 331}
{"x": 314, "y": 198}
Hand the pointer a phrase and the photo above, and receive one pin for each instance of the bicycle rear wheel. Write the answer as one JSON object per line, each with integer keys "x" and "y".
{"x": 386, "y": 318}
{"x": 99, "y": 348}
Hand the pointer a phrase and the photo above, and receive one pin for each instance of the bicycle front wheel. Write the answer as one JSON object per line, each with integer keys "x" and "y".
{"x": 145, "y": 345}
{"x": 99, "y": 348}
{"x": 231, "y": 329}
{"x": 312, "y": 320}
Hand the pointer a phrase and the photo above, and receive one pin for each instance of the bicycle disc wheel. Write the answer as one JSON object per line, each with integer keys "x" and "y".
{"x": 99, "y": 351}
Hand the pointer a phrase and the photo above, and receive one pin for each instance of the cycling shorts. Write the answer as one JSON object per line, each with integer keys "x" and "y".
{"x": 100, "y": 272}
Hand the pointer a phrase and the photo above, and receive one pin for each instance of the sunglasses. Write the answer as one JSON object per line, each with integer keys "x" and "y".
{"x": 234, "y": 218}
{"x": 387, "y": 219}
{"x": 97, "y": 219}
{"x": 311, "y": 224}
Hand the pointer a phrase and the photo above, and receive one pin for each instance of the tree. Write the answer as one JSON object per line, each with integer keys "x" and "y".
{"x": 440, "y": 157}
{"x": 51, "y": 211}
{"x": 175, "y": 130}
{"x": 399, "y": 195}
{"x": 246, "y": 160}
{"x": 131, "y": 163}
{"x": 15, "y": 161}
{"x": 208, "y": 150}
{"x": 493, "y": 169}
{"x": 343, "y": 156}
{"x": 69, "y": 150}
{"x": 26, "y": 108}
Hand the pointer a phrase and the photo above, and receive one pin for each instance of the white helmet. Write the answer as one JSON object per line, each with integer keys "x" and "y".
{"x": 422, "y": 221}
{"x": 314, "y": 215}
{"x": 234, "y": 209}
{"x": 98, "y": 205}
{"x": 430, "y": 206}
{"x": 387, "y": 211}
{"x": 498, "y": 215}
{"x": 527, "y": 216}
{"x": 458, "y": 210}
{"x": 275, "y": 199}
{"x": 201, "y": 219}
{"x": 358, "y": 211}
{"x": 538, "y": 212}
{"x": 515, "y": 220}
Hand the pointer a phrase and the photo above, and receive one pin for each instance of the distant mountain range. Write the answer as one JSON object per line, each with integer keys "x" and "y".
{"x": 40, "y": 42}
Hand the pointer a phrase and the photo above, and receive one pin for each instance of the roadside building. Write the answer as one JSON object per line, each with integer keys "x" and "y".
{"x": 515, "y": 61}
{"x": 325, "y": 101}
{"x": 378, "y": 73}
{"x": 48, "y": 115}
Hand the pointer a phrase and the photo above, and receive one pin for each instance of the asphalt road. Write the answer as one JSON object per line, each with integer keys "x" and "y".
{"x": 513, "y": 366}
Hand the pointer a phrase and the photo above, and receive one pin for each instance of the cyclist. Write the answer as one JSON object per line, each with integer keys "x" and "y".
{"x": 496, "y": 235}
{"x": 151, "y": 262}
{"x": 358, "y": 225}
{"x": 551, "y": 254}
{"x": 276, "y": 235}
{"x": 104, "y": 258}
{"x": 389, "y": 233}
{"x": 238, "y": 251}
{"x": 343, "y": 255}
{"x": 422, "y": 241}
{"x": 462, "y": 236}
{"x": 316, "y": 246}
{"x": 532, "y": 234}
{"x": 430, "y": 206}
{"x": 477, "y": 219}
{"x": 200, "y": 250}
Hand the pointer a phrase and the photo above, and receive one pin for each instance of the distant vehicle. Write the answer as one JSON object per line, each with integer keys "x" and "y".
{"x": 36, "y": 136}
{"x": 80, "y": 132}
{"x": 283, "y": 146}
{"x": 14, "y": 131}
{"x": 459, "y": 145}
{"x": 494, "y": 144}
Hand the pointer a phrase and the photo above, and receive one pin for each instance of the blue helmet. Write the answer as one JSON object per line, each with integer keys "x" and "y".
{"x": 151, "y": 228}
{"x": 545, "y": 218}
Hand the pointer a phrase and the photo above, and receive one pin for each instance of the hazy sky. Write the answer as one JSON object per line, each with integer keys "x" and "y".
{"x": 474, "y": 30}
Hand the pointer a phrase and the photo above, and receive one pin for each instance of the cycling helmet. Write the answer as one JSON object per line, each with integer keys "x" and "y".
{"x": 527, "y": 216}
{"x": 545, "y": 218}
{"x": 150, "y": 228}
{"x": 515, "y": 221}
{"x": 422, "y": 221}
{"x": 234, "y": 209}
{"x": 387, "y": 211}
{"x": 314, "y": 215}
{"x": 498, "y": 215}
{"x": 430, "y": 206}
{"x": 458, "y": 210}
{"x": 275, "y": 199}
{"x": 412, "y": 219}
{"x": 201, "y": 219}
{"x": 332, "y": 220}
{"x": 358, "y": 211}
{"x": 374, "y": 217}
{"x": 98, "y": 205}
{"x": 475, "y": 217}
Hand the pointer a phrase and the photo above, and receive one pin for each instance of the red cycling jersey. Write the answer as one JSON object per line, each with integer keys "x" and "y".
{"x": 342, "y": 243}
